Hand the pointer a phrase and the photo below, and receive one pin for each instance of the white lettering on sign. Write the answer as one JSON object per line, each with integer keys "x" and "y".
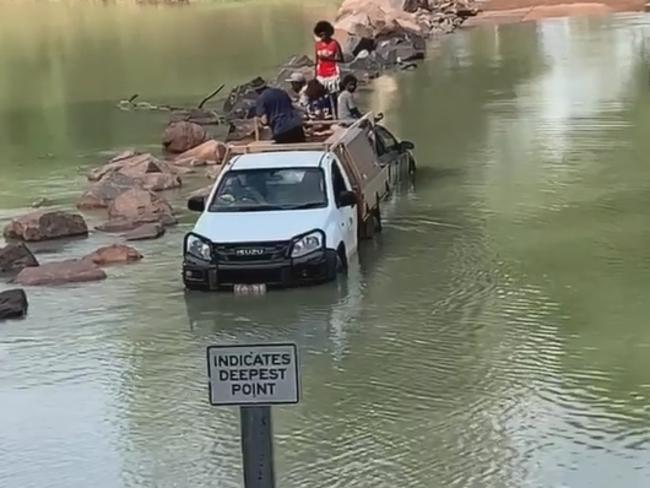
{"x": 264, "y": 374}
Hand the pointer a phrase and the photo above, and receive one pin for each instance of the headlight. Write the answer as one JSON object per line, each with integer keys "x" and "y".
{"x": 198, "y": 247}
{"x": 308, "y": 243}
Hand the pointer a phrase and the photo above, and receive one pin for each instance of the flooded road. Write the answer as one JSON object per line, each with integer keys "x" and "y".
{"x": 494, "y": 336}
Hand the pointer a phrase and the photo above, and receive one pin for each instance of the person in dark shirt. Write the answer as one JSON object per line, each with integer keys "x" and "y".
{"x": 275, "y": 108}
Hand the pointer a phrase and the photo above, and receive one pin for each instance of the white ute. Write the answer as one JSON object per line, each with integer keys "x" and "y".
{"x": 287, "y": 215}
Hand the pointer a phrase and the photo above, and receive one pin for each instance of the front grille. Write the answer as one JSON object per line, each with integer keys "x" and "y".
{"x": 251, "y": 252}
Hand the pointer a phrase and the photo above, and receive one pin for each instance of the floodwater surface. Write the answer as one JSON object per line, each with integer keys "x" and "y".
{"x": 495, "y": 335}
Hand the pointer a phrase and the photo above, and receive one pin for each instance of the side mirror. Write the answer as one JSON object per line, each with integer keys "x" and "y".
{"x": 406, "y": 146}
{"x": 347, "y": 199}
{"x": 196, "y": 204}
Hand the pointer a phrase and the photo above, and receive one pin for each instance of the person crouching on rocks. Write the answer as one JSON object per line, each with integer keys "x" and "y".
{"x": 328, "y": 55}
{"x": 275, "y": 109}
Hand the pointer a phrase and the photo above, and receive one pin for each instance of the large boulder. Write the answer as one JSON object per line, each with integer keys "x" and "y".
{"x": 145, "y": 169}
{"x": 15, "y": 257}
{"x": 372, "y": 18}
{"x": 61, "y": 272}
{"x": 103, "y": 192}
{"x": 139, "y": 206}
{"x": 210, "y": 152}
{"x": 13, "y": 304}
{"x": 152, "y": 230}
{"x": 181, "y": 136}
{"x": 44, "y": 225}
{"x": 113, "y": 254}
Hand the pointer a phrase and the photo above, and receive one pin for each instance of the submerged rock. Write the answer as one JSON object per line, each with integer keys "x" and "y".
{"x": 59, "y": 273}
{"x": 113, "y": 254}
{"x": 102, "y": 193}
{"x": 143, "y": 232}
{"x": 181, "y": 136}
{"x": 41, "y": 202}
{"x": 201, "y": 192}
{"x": 141, "y": 206}
{"x": 210, "y": 152}
{"x": 145, "y": 170}
{"x": 13, "y": 304}
{"x": 15, "y": 257}
{"x": 299, "y": 61}
{"x": 43, "y": 225}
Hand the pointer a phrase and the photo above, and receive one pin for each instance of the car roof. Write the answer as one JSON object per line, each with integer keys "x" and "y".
{"x": 280, "y": 159}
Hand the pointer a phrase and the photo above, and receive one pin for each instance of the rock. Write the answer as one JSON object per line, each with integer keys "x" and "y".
{"x": 212, "y": 151}
{"x": 145, "y": 169}
{"x": 367, "y": 62}
{"x": 299, "y": 61}
{"x": 141, "y": 206}
{"x": 128, "y": 154}
{"x": 201, "y": 192}
{"x": 113, "y": 254}
{"x": 102, "y": 193}
{"x": 42, "y": 225}
{"x": 15, "y": 257}
{"x": 119, "y": 225}
{"x": 396, "y": 50}
{"x": 145, "y": 231}
{"x": 161, "y": 181}
{"x": 355, "y": 24}
{"x": 352, "y": 45}
{"x": 181, "y": 136}
{"x": 41, "y": 202}
{"x": 187, "y": 163}
{"x": 13, "y": 304}
{"x": 59, "y": 273}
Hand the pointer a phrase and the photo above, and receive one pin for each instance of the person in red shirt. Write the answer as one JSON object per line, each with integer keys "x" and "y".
{"x": 328, "y": 55}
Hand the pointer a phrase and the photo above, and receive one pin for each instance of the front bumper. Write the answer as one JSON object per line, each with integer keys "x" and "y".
{"x": 307, "y": 270}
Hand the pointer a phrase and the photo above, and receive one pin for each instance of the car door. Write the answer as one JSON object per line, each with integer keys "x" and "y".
{"x": 347, "y": 216}
{"x": 390, "y": 153}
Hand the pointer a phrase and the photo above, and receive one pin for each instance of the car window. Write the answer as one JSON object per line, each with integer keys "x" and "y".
{"x": 270, "y": 189}
{"x": 338, "y": 182}
{"x": 385, "y": 141}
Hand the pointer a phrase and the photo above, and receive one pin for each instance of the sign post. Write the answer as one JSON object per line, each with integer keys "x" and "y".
{"x": 254, "y": 377}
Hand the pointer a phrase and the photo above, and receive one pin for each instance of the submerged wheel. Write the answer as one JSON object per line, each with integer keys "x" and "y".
{"x": 376, "y": 214}
{"x": 411, "y": 167}
{"x": 336, "y": 263}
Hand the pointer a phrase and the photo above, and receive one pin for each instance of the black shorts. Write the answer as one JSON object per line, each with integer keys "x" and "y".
{"x": 291, "y": 136}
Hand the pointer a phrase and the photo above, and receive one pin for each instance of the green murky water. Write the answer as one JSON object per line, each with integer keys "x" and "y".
{"x": 495, "y": 336}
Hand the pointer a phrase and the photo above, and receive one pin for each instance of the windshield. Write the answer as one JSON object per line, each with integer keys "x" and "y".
{"x": 270, "y": 189}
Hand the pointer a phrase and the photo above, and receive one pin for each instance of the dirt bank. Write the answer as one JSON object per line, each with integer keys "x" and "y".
{"x": 512, "y": 11}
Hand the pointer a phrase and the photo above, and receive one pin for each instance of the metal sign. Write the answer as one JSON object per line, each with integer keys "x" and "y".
{"x": 256, "y": 374}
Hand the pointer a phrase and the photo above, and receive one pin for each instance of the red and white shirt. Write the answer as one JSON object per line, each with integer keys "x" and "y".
{"x": 326, "y": 54}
